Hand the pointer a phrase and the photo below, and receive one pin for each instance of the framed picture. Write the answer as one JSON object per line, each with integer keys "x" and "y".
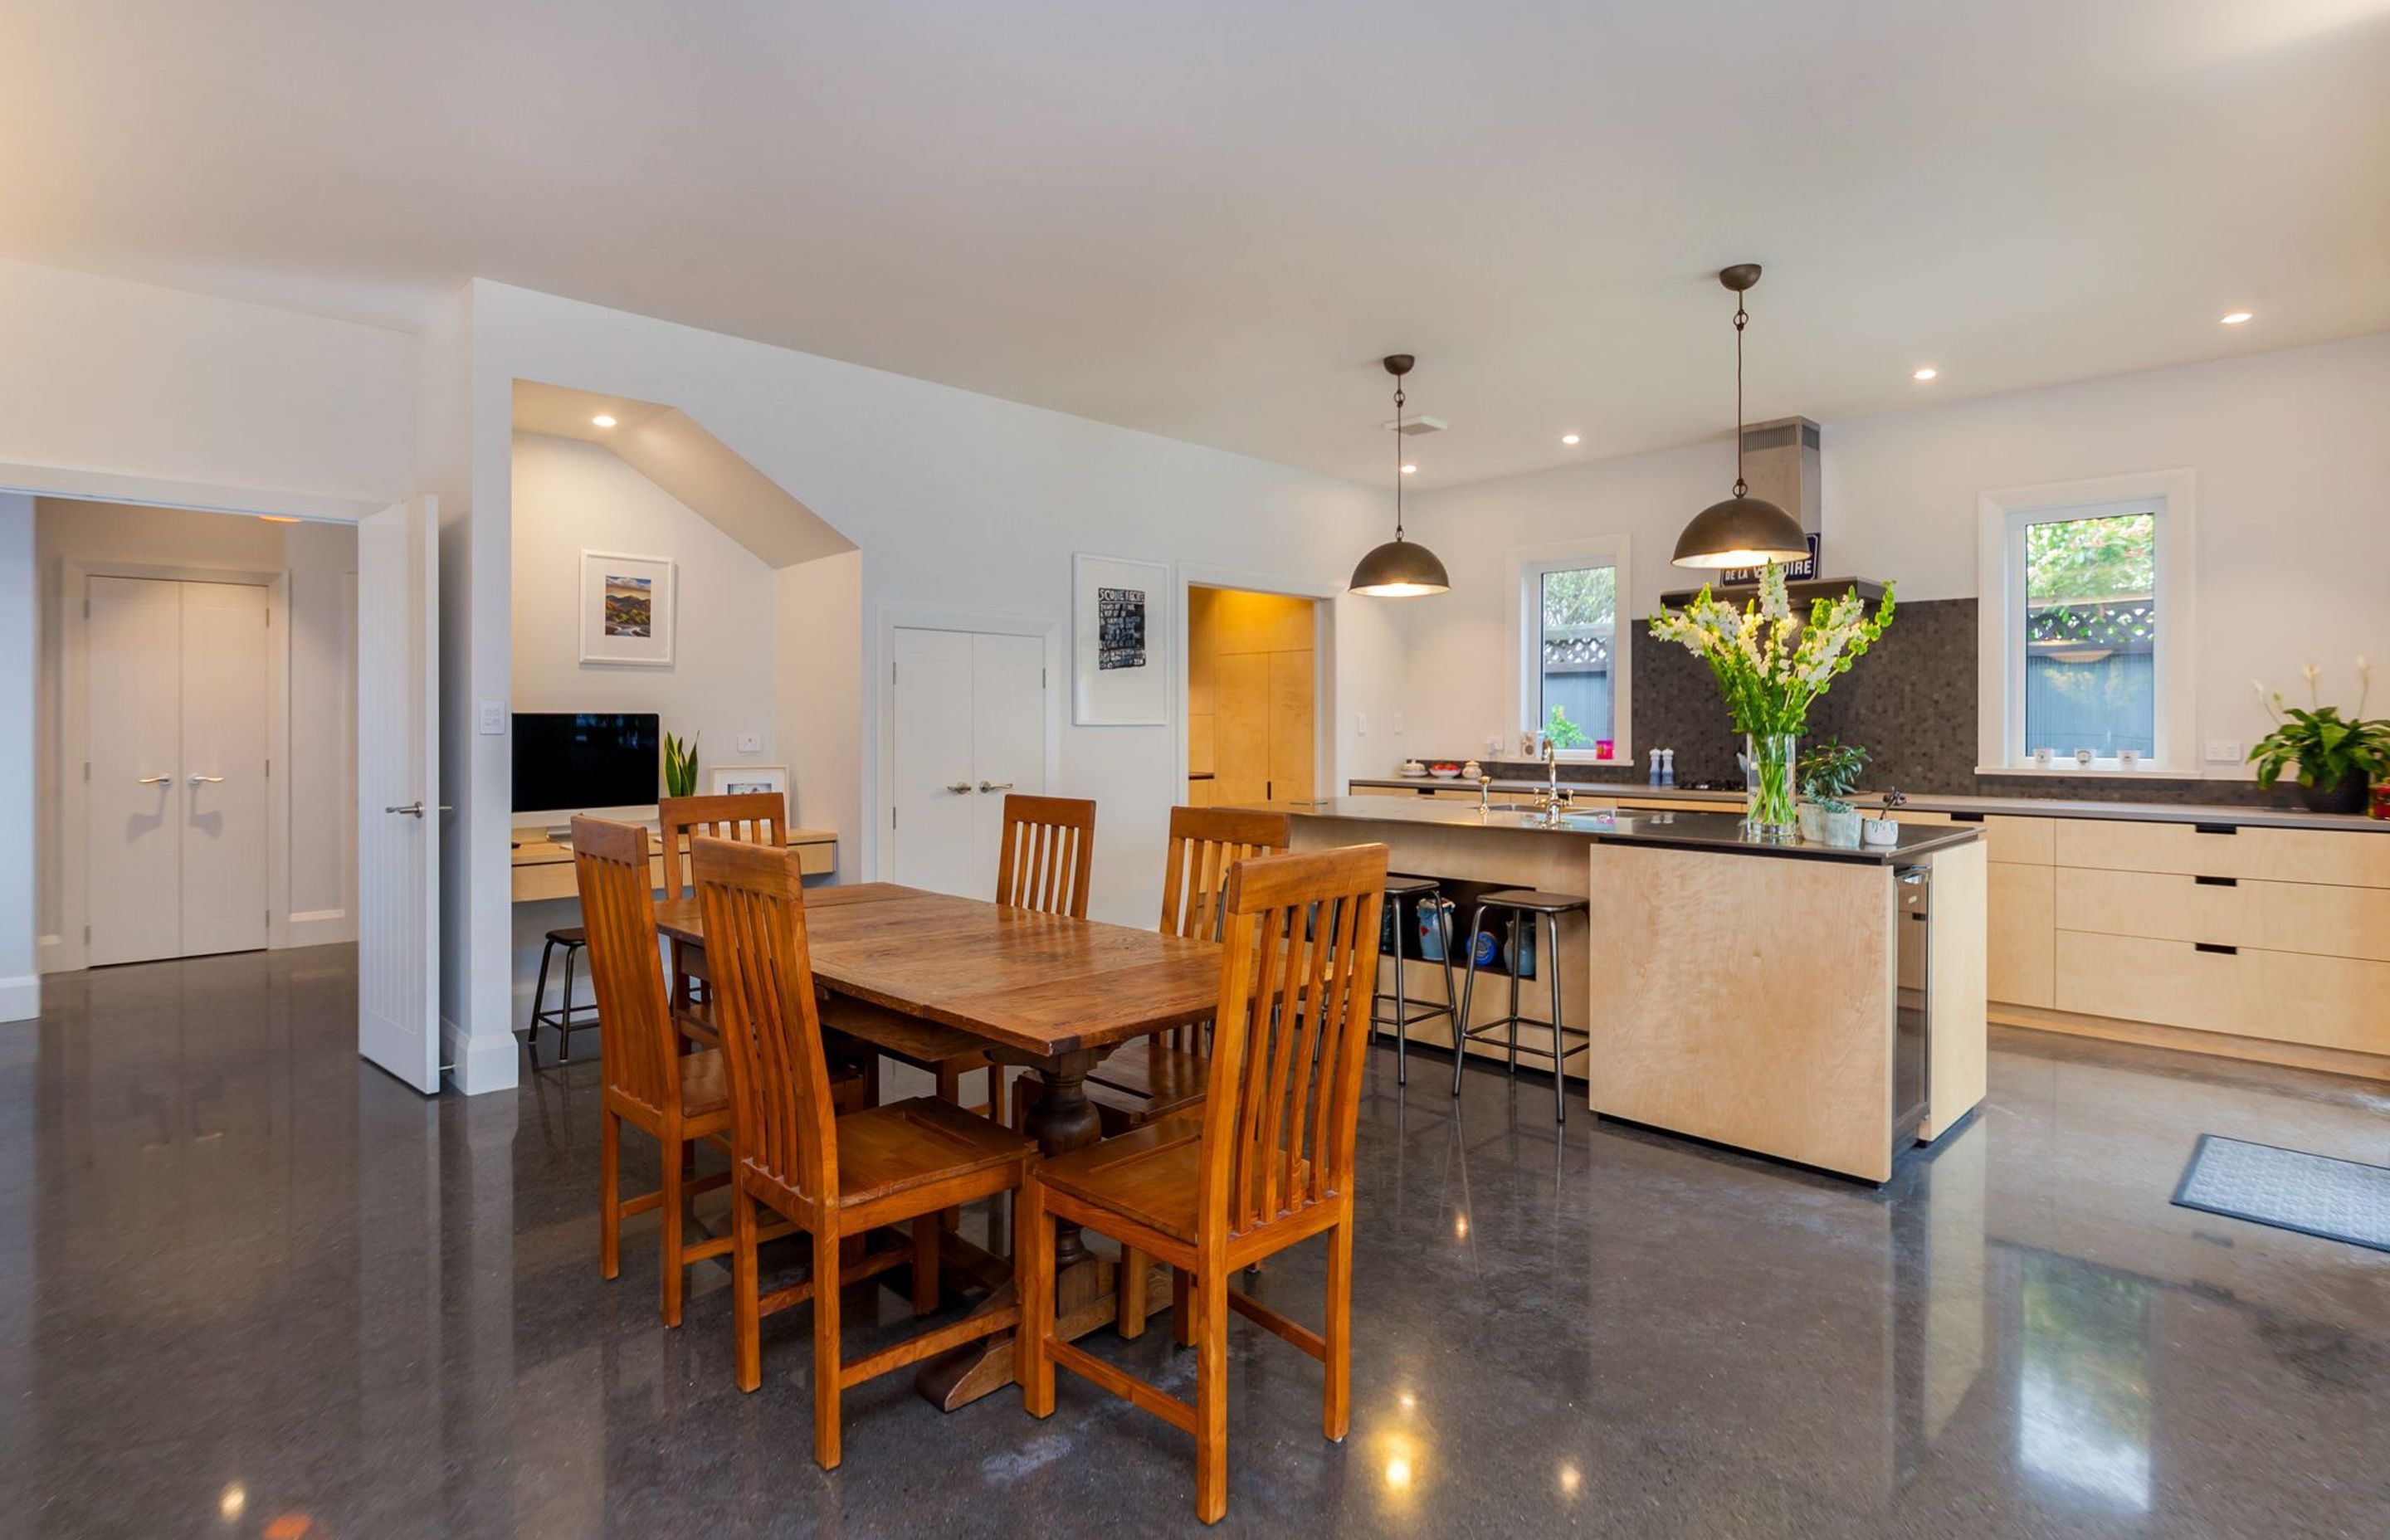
{"x": 627, "y": 610}
{"x": 732, "y": 780}
{"x": 1119, "y": 646}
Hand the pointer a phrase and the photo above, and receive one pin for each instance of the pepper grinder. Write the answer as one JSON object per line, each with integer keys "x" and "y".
{"x": 1667, "y": 767}
{"x": 1655, "y": 768}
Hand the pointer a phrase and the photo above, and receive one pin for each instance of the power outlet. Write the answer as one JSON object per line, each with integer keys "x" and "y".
{"x": 493, "y": 718}
{"x": 750, "y": 743}
{"x": 1360, "y": 724}
{"x": 2223, "y": 750}
{"x": 1398, "y": 724}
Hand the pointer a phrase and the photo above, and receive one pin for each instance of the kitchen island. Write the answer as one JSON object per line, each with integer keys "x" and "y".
{"x": 1771, "y": 997}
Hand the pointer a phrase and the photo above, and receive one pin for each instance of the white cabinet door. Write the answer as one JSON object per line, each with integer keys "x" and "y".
{"x": 929, "y": 837}
{"x": 398, "y": 792}
{"x": 1007, "y": 739}
{"x": 222, "y": 770}
{"x": 133, "y": 707}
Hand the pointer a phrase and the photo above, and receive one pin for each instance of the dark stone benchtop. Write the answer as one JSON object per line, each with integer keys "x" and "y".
{"x": 1966, "y": 807}
{"x": 1721, "y": 832}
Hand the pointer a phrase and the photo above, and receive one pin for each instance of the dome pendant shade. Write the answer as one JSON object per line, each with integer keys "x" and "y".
{"x": 1741, "y": 532}
{"x": 1399, "y": 568}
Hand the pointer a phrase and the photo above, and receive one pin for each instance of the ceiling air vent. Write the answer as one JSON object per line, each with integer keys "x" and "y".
{"x": 1411, "y": 428}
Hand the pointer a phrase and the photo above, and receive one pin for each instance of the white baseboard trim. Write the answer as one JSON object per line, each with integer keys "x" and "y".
{"x": 20, "y": 997}
{"x": 57, "y": 955}
{"x": 316, "y": 927}
{"x": 480, "y": 1063}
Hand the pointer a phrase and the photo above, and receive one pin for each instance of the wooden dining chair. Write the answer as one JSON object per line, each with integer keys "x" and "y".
{"x": 675, "y": 1098}
{"x": 830, "y": 1175}
{"x": 1267, "y": 1163}
{"x": 756, "y": 817}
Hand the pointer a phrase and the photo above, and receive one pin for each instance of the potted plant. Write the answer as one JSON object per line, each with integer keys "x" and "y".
{"x": 1883, "y": 829}
{"x": 1771, "y": 666}
{"x": 1829, "y": 771}
{"x": 680, "y": 765}
{"x": 2339, "y": 757}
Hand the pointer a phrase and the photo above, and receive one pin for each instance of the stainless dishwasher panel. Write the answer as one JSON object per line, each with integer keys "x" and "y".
{"x": 1913, "y": 1020}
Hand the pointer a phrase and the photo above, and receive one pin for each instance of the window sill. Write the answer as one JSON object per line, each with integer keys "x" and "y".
{"x": 2096, "y": 770}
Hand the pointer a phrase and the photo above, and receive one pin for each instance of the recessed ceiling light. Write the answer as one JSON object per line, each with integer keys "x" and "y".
{"x": 1410, "y": 470}
{"x": 1926, "y": 373}
{"x": 1570, "y": 438}
{"x": 602, "y": 421}
{"x": 2238, "y": 316}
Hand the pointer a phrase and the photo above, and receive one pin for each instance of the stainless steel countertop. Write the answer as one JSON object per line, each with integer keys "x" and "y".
{"x": 2022, "y": 807}
{"x": 1721, "y": 832}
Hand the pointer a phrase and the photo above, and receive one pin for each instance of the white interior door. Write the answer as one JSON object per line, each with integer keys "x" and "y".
{"x": 398, "y": 781}
{"x": 930, "y": 821}
{"x": 223, "y": 769}
{"x": 133, "y": 642}
{"x": 1008, "y": 717}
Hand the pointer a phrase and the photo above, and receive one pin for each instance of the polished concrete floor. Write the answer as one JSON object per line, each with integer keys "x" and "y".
{"x": 249, "y": 1287}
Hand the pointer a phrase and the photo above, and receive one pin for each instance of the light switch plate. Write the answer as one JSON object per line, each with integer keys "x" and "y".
{"x": 2223, "y": 750}
{"x": 750, "y": 743}
{"x": 1398, "y": 724}
{"x": 493, "y": 718}
{"x": 1360, "y": 724}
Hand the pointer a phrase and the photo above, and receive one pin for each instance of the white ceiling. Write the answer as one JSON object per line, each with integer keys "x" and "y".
{"x": 1209, "y": 219}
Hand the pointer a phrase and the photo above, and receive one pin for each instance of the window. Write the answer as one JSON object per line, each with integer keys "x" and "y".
{"x": 1571, "y": 671}
{"x": 2086, "y": 618}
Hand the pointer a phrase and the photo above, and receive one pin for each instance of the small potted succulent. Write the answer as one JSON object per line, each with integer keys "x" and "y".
{"x": 680, "y": 765}
{"x": 1883, "y": 829}
{"x": 1829, "y": 771}
{"x": 2339, "y": 757}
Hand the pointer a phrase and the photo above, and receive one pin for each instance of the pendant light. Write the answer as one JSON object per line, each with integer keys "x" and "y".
{"x": 1743, "y": 531}
{"x": 1399, "y": 568}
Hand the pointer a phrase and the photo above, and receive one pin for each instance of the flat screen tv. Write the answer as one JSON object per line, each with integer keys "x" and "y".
{"x": 586, "y": 759}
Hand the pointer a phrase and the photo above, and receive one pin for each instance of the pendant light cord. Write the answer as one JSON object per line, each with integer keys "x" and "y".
{"x": 1741, "y": 319}
{"x": 1398, "y": 456}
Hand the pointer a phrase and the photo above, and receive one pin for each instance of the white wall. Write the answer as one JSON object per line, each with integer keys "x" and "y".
{"x": 21, "y": 991}
{"x": 2290, "y": 450}
{"x": 319, "y": 877}
{"x": 570, "y": 496}
{"x": 819, "y": 608}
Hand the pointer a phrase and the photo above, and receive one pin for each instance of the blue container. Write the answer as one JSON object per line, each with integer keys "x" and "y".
{"x": 1431, "y": 933}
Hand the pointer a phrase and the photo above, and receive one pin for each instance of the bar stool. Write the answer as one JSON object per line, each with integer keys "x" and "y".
{"x": 572, "y": 938}
{"x": 1523, "y": 904}
{"x": 1404, "y": 894}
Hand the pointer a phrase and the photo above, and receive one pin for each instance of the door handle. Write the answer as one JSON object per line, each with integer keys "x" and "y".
{"x": 203, "y": 780}
{"x": 413, "y": 810}
{"x": 995, "y": 786}
{"x": 958, "y": 788}
{"x": 153, "y": 780}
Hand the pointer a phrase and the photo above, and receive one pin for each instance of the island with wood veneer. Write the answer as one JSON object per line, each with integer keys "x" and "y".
{"x": 1746, "y": 993}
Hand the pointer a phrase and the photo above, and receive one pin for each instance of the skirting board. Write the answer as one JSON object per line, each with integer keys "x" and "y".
{"x": 316, "y": 927}
{"x": 476, "y": 1064}
{"x": 2256, "y": 1050}
{"x": 20, "y": 997}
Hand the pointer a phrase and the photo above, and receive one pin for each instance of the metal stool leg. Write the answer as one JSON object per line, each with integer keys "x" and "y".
{"x": 1467, "y": 992}
{"x": 564, "y": 1021}
{"x": 1442, "y": 907}
{"x": 1513, "y": 934}
{"x": 1560, "y": 1041}
{"x": 1402, "y": 1004}
{"x": 538, "y": 999}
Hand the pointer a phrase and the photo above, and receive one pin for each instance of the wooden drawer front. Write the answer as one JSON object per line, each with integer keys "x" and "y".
{"x": 2359, "y": 859}
{"x": 2023, "y": 935}
{"x": 2330, "y": 1002}
{"x": 2278, "y": 917}
{"x": 1904, "y": 817}
{"x": 2027, "y": 841}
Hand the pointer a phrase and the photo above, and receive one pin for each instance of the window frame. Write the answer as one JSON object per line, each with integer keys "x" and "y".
{"x": 2002, "y": 518}
{"x": 1527, "y": 566}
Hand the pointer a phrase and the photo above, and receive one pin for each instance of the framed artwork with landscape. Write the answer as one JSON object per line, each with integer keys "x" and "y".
{"x": 1119, "y": 646}
{"x": 626, "y": 609}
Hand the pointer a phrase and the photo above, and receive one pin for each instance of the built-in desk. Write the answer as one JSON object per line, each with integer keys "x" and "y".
{"x": 544, "y": 867}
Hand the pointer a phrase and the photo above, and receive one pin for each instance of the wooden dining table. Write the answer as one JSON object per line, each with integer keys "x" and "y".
{"x": 1046, "y": 991}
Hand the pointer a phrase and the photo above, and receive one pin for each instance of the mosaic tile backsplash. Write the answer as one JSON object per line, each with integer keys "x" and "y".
{"x": 1910, "y": 703}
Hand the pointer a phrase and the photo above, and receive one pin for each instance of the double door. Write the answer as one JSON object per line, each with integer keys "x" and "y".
{"x": 176, "y": 722}
{"x": 969, "y": 714}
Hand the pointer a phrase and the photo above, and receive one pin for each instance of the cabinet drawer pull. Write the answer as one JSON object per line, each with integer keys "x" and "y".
{"x": 2218, "y": 881}
{"x": 2216, "y": 828}
{"x": 2212, "y": 946}
{"x": 1966, "y": 817}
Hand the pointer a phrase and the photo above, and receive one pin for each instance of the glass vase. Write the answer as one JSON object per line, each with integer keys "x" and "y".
{"x": 1770, "y": 811}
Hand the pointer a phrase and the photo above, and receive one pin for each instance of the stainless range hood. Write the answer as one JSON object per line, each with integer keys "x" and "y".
{"x": 1779, "y": 462}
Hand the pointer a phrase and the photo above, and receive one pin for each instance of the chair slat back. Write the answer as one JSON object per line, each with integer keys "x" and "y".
{"x": 752, "y": 817}
{"x": 1298, "y": 971}
{"x": 1049, "y": 845}
{"x": 1205, "y": 843}
{"x": 752, "y": 899}
{"x": 618, "y": 911}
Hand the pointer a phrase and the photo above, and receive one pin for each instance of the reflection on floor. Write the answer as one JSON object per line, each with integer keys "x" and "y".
{"x": 245, "y": 1280}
